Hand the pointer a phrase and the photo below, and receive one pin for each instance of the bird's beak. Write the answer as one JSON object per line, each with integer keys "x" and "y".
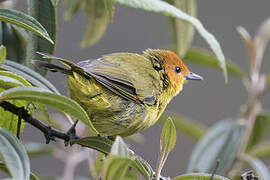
{"x": 193, "y": 76}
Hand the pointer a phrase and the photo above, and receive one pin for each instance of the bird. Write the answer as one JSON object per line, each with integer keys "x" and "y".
{"x": 124, "y": 93}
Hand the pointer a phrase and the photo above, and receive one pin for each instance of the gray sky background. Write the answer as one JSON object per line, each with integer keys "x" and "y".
{"x": 207, "y": 101}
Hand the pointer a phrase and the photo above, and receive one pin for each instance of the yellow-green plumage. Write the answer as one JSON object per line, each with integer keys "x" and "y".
{"x": 124, "y": 92}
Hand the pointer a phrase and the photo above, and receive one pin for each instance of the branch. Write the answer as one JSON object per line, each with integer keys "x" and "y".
{"x": 49, "y": 132}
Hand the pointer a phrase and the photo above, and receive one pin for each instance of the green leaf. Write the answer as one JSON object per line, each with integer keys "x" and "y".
{"x": 268, "y": 80}
{"x": 206, "y": 58}
{"x": 4, "y": 168}
{"x": 159, "y": 6}
{"x": 261, "y": 150}
{"x": 14, "y": 155}
{"x": 3, "y": 53}
{"x": 115, "y": 167}
{"x": 37, "y": 149}
{"x": 167, "y": 143}
{"x": 182, "y": 31}
{"x": 44, "y": 11}
{"x": 96, "y": 12}
{"x": 43, "y": 96}
{"x": 260, "y": 129}
{"x": 199, "y": 176}
{"x": 25, "y": 21}
{"x": 20, "y": 79}
{"x": 260, "y": 168}
{"x": 119, "y": 148}
{"x": 11, "y": 39}
{"x": 104, "y": 145}
{"x": 109, "y": 8}
{"x": 221, "y": 142}
{"x": 33, "y": 177}
{"x": 189, "y": 127}
{"x": 71, "y": 8}
{"x": 98, "y": 143}
{"x": 30, "y": 75}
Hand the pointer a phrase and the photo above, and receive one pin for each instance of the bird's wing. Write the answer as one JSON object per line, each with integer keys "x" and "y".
{"x": 129, "y": 75}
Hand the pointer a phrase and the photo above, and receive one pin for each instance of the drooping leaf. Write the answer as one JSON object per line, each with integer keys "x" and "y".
{"x": 182, "y": 31}
{"x": 3, "y": 168}
{"x": 3, "y": 54}
{"x": 189, "y": 127}
{"x": 199, "y": 176}
{"x": 25, "y": 21}
{"x": 98, "y": 18}
{"x": 260, "y": 128}
{"x": 221, "y": 143}
{"x": 30, "y": 75}
{"x": 159, "y": 6}
{"x": 261, "y": 150}
{"x": 14, "y": 155}
{"x": 260, "y": 168}
{"x": 43, "y": 96}
{"x": 45, "y": 12}
{"x": 20, "y": 79}
{"x": 203, "y": 57}
{"x": 98, "y": 143}
{"x": 167, "y": 143}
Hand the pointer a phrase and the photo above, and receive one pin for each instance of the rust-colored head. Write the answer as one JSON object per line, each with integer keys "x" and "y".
{"x": 175, "y": 69}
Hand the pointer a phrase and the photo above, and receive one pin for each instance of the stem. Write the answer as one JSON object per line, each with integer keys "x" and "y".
{"x": 49, "y": 132}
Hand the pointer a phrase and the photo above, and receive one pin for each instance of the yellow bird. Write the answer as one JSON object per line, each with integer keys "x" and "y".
{"x": 124, "y": 93}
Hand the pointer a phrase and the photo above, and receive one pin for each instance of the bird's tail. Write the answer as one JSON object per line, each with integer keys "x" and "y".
{"x": 69, "y": 68}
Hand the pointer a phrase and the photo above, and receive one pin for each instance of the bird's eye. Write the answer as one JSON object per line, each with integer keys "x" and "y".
{"x": 177, "y": 69}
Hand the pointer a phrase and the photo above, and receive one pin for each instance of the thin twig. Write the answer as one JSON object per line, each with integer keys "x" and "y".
{"x": 50, "y": 133}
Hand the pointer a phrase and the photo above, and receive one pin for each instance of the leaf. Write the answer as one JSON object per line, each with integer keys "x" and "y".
{"x": 159, "y": 6}
{"x": 203, "y": 57}
{"x": 14, "y": 155}
{"x": 221, "y": 142}
{"x": 261, "y": 150}
{"x": 43, "y": 96}
{"x": 33, "y": 177}
{"x": 268, "y": 80}
{"x": 115, "y": 167}
{"x": 96, "y": 12}
{"x": 4, "y": 168}
{"x": 98, "y": 143}
{"x": 262, "y": 38}
{"x": 199, "y": 176}
{"x": 109, "y": 8}
{"x": 189, "y": 127}
{"x": 260, "y": 129}
{"x": 36, "y": 149}
{"x": 16, "y": 47}
{"x": 71, "y": 8}
{"x": 44, "y": 11}
{"x": 182, "y": 31}
{"x": 25, "y": 21}
{"x": 248, "y": 41}
{"x": 30, "y": 75}
{"x": 19, "y": 79}
{"x": 167, "y": 143}
{"x": 119, "y": 148}
{"x": 3, "y": 54}
{"x": 260, "y": 168}
{"x": 104, "y": 145}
